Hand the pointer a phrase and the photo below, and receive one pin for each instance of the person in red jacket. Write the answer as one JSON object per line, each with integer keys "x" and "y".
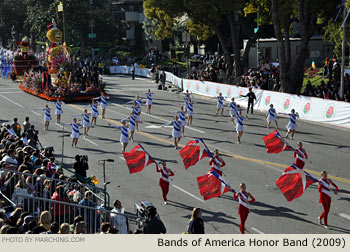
{"x": 216, "y": 163}
{"x": 300, "y": 155}
{"x": 164, "y": 179}
{"x": 243, "y": 209}
{"x": 325, "y": 196}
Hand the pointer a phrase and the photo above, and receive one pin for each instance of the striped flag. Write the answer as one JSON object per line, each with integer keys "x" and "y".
{"x": 274, "y": 143}
{"x": 137, "y": 159}
{"x": 193, "y": 152}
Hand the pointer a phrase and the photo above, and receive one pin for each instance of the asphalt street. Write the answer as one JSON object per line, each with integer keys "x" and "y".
{"x": 328, "y": 149}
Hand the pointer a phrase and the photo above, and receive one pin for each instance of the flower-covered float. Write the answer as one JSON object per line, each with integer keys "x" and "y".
{"x": 24, "y": 60}
{"x": 60, "y": 77}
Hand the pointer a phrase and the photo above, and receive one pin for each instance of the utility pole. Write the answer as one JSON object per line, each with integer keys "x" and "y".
{"x": 343, "y": 54}
{"x": 92, "y": 32}
{"x": 257, "y": 42}
{"x": 65, "y": 39}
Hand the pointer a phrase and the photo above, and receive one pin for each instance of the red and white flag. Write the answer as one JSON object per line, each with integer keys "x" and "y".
{"x": 137, "y": 159}
{"x": 274, "y": 143}
{"x": 294, "y": 182}
{"x": 212, "y": 185}
{"x": 193, "y": 152}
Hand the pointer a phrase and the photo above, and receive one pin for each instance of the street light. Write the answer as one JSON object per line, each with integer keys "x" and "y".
{"x": 104, "y": 177}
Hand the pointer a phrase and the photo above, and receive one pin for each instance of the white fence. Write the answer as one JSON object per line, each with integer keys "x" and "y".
{"x": 309, "y": 108}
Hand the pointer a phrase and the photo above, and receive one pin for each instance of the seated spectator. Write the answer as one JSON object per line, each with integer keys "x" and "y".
{"x": 80, "y": 228}
{"x": 64, "y": 228}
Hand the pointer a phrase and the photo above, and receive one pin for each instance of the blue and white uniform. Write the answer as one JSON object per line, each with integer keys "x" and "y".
{"x": 124, "y": 136}
{"x": 220, "y": 104}
{"x": 292, "y": 125}
{"x": 75, "y": 131}
{"x": 149, "y": 99}
{"x": 136, "y": 111}
{"x": 132, "y": 123}
{"x": 176, "y": 129}
{"x": 233, "y": 109}
{"x": 103, "y": 103}
{"x": 86, "y": 120}
{"x": 190, "y": 109}
{"x": 47, "y": 117}
{"x": 271, "y": 115}
{"x": 239, "y": 122}
{"x": 139, "y": 104}
{"x": 186, "y": 102}
{"x": 94, "y": 112}
{"x": 182, "y": 119}
{"x": 58, "y": 108}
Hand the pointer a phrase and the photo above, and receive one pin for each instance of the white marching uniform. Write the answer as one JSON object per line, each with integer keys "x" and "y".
{"x": 132, "y": 123}
{"x": 47, "y": 117}
{"x": 271, "y": 115}
{"x": 176, "y": 129}
{"x": 190, "y": 109}
{"x": 220, "y": 104}
{"x": 233, "y": 109}
{"x": 94, "y": 112}
{"x": 149, "y": 99}
{"x": 124, "y": 136}
{"x": 58, "y": 108}
{"x": 103, "y": 103}
{"x": 186, "y": 102}
{"x": 86, "y": 121}
{"x": 239, "y": 122}
{"x": 75, "y": 131}
{"x": 292, "y": 125}
{"x": 182, "y": 119}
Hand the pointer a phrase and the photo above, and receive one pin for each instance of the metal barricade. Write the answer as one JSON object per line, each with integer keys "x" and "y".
{"x": 44, "y": 187}
{"x": 65, "y": 212}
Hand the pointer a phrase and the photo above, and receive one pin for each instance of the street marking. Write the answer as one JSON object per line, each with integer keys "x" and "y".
{"x": 19, "y": 105}
{"x": 35, "y": 113}
{"x": 225, "y": 153}
{"x": 345, "y": 216}
{"x": 59, "y": 125}
{"x": 10, "y": 88}
{"x": 257, "y": 230}
{"x": 11, "y": 92}
{"x": 122, "y": 158}
{"x": 158, "y": 126}
{"x": 88, "y": 140}
{"x": 190, "y": 194}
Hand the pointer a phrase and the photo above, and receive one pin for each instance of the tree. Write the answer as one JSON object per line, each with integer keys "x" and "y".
{"x": 283, "y": 13}
{"x": 206, "y": 17}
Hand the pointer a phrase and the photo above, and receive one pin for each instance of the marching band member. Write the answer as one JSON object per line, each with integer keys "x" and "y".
{"x": 176, "y": 132}
{"x": 75, "y": 132}
{"x": 220, "y": 104}
{"x": 149, "y": 101}
{"x": 164, "y": 179}
{"x": 243, "y": 209}
{"x": 325, "y": 196}
{"x": 182, "y": 119}
{"x": 136, "y": 112}
{"x": 216, "y": 163}
{"x": 47, "y": 117}
{"x": 239, "y": 123}
{"x": 139, "y": 103}
{"x": 271, "y": 116}
{"x": 291, "y": 126}
{"x": 132, "y": 123}
{"x": 103, "y": 103}
{"x": 59, "y": 111}
{"x": 189, "y": 111}
{"x": 86, "y": 122}
{"x": 300, "y": 155}
{"x": 233, "y": 107}
{"x": 187, "y": 97}
{"x": 94, "y": 113}
{"x": 124, "y": 136}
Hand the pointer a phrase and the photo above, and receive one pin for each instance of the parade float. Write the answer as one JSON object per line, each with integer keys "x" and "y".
{"x": 57, "y": 78}
{"x": 24, "y": 60}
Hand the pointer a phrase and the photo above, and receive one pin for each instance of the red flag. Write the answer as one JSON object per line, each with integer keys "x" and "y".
{"x": 210, "y": 186}
{"x": 193, "y": 152}
{"x": 275, "y": 144}
{"x": 294, "y": 182}
{"x": 137, "y": 159}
